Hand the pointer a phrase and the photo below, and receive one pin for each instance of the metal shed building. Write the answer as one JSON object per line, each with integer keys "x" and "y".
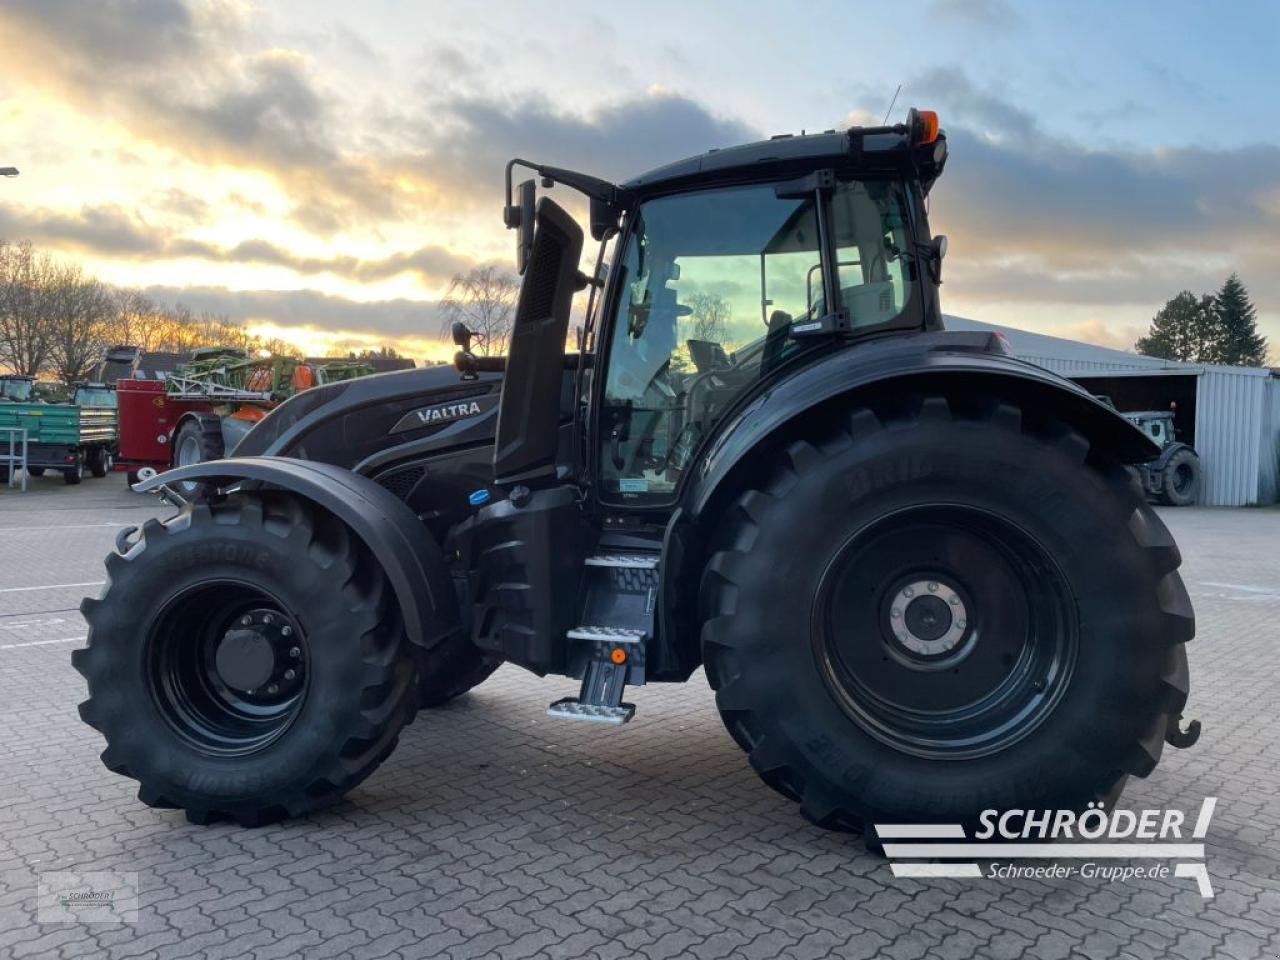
{"x": 1231, "y": 415}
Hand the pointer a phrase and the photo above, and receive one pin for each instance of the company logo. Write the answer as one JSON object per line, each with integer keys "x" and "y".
{"x": 440, "y": 413}
{"x": 1093, "y": 844}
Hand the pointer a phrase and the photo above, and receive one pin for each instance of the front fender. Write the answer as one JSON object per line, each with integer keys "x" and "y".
{"x": 922, "y": 362}
{"x": 410, "y": 557}
{"x": 1167, "y": 453}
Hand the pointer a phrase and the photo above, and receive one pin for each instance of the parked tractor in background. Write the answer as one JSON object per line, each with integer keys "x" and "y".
{"x": 201, "y": 411}
{"x": 914, "y": 568}
{"x": 16, "y": 388}
{"x": 1172, "y": 478}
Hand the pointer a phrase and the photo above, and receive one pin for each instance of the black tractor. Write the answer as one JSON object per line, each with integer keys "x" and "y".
{"x": 1172, "y": 478}
{"x": 915, "y": 570}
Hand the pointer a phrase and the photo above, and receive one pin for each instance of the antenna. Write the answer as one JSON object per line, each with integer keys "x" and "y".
{"x": 891, "y": 103}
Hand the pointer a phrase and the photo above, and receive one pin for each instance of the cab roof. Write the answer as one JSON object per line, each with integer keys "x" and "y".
{"x": 863, "y": 151}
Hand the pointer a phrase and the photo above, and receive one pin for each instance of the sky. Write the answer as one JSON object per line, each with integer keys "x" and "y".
{"x": 321, "y": 170}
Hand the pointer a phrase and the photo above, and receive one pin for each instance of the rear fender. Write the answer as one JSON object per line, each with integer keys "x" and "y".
{"x": 411, "y": 559}
{"x": 939, "y": 362}
{"x": 929, "y": 362}
{"x": 1167, "y": 453}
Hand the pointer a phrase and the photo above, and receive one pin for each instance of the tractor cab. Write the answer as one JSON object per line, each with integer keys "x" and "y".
{"x": 731, "y": 272}
{"x": 17, "y": 389}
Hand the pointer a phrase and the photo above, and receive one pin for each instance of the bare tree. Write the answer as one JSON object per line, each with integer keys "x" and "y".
{"x": 24, "y": 310}
{"x": 484, "y": 298}
{"x": 138, "y": 321}
{"x": 710, "y": 315}
{"x": 80, "y": 309}
{"x": 55, "y": 318}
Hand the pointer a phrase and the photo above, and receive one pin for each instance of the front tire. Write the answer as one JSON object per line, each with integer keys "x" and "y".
{"x": 198, "y": 440}
{"x": 992, "y": 618}
{"x": 246, "y": 660}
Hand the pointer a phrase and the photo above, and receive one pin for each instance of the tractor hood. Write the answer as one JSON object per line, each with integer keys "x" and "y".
{"x": 348, "y": 422}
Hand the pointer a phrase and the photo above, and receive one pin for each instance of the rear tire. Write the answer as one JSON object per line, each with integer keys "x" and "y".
{"x": 35, "y": 471}
{"x": 99, "y": 462}
{"x": 203, "y": 695}
{"x": 74, "y": 475}
{"x": 1067, "y": 663}
{"x": 1181, "y": 479}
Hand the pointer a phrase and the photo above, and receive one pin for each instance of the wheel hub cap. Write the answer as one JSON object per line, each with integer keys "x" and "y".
{"x": 927, "y": 617}
{"x": 245, "y": 659}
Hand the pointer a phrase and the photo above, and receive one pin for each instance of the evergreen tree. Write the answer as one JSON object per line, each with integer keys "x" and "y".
{"x": 1238, "y": 341}
{"x": 1184, "y": 329}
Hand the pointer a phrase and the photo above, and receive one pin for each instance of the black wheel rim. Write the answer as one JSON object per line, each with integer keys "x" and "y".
{"x": 227, "y": 667}
{"x": 945, "y": 631}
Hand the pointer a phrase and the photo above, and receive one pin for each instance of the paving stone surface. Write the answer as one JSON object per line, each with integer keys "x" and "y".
{"x": 493, "y": 831}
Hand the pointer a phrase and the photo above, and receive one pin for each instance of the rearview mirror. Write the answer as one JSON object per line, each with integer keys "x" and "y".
{"x": 519, "y": 217}
{"x": 937, "y": 251}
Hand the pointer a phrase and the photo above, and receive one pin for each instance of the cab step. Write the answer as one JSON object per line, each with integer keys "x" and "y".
{"x": 607, "y": 634}
{"x": 612, "y": 657}
{"x": 571, "y": 708}
{"x": 628, "y": 561}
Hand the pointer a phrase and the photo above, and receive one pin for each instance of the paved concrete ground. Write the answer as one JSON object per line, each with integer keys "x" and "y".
{"x": 493, "y": 831}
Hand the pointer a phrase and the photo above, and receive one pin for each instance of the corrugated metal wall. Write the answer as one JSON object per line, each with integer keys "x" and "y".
{"x": 1237, "y": 408}
{"x": 1231, "y": 418}
{"x": 1237, "y": 424}
{"x": 1076, "y": 367}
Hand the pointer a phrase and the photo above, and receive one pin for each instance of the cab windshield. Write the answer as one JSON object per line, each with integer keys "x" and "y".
{"x": 713, "y": 284}
{"x": 18, "y": 390}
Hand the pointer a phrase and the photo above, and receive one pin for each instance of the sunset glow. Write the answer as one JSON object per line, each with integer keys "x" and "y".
{"x": 322, "y": 177}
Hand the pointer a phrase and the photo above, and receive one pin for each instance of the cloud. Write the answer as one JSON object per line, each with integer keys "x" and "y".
{"x": 117, "y": 233}
{"x": 1036, "y": 218}
{"x": 108, "y": 230}
{"x": 435, "y": 265}
{"x": 976, "y": 13}
{"x": 306, "y": 310}
{"x": 1103, "y": 334}
{"x": 192, "y": 77}
{"x": 469, "y": 135}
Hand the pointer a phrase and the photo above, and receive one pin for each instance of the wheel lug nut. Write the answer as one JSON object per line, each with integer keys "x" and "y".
{"x": 289, "y": 674}
{"x": 960, "y": 624}
{"x": 286, "y": 630}
{"x": 933, "y": 587}
{"x": 246, "y": 620}
{"x": 267, "y": 618}
{"x": 295, "y": 652}
{"x": 954, "y": 601}
{"x": 895, "y": 613}
{"x": 908, "y": 592}
{"x": 273, "y": 689}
